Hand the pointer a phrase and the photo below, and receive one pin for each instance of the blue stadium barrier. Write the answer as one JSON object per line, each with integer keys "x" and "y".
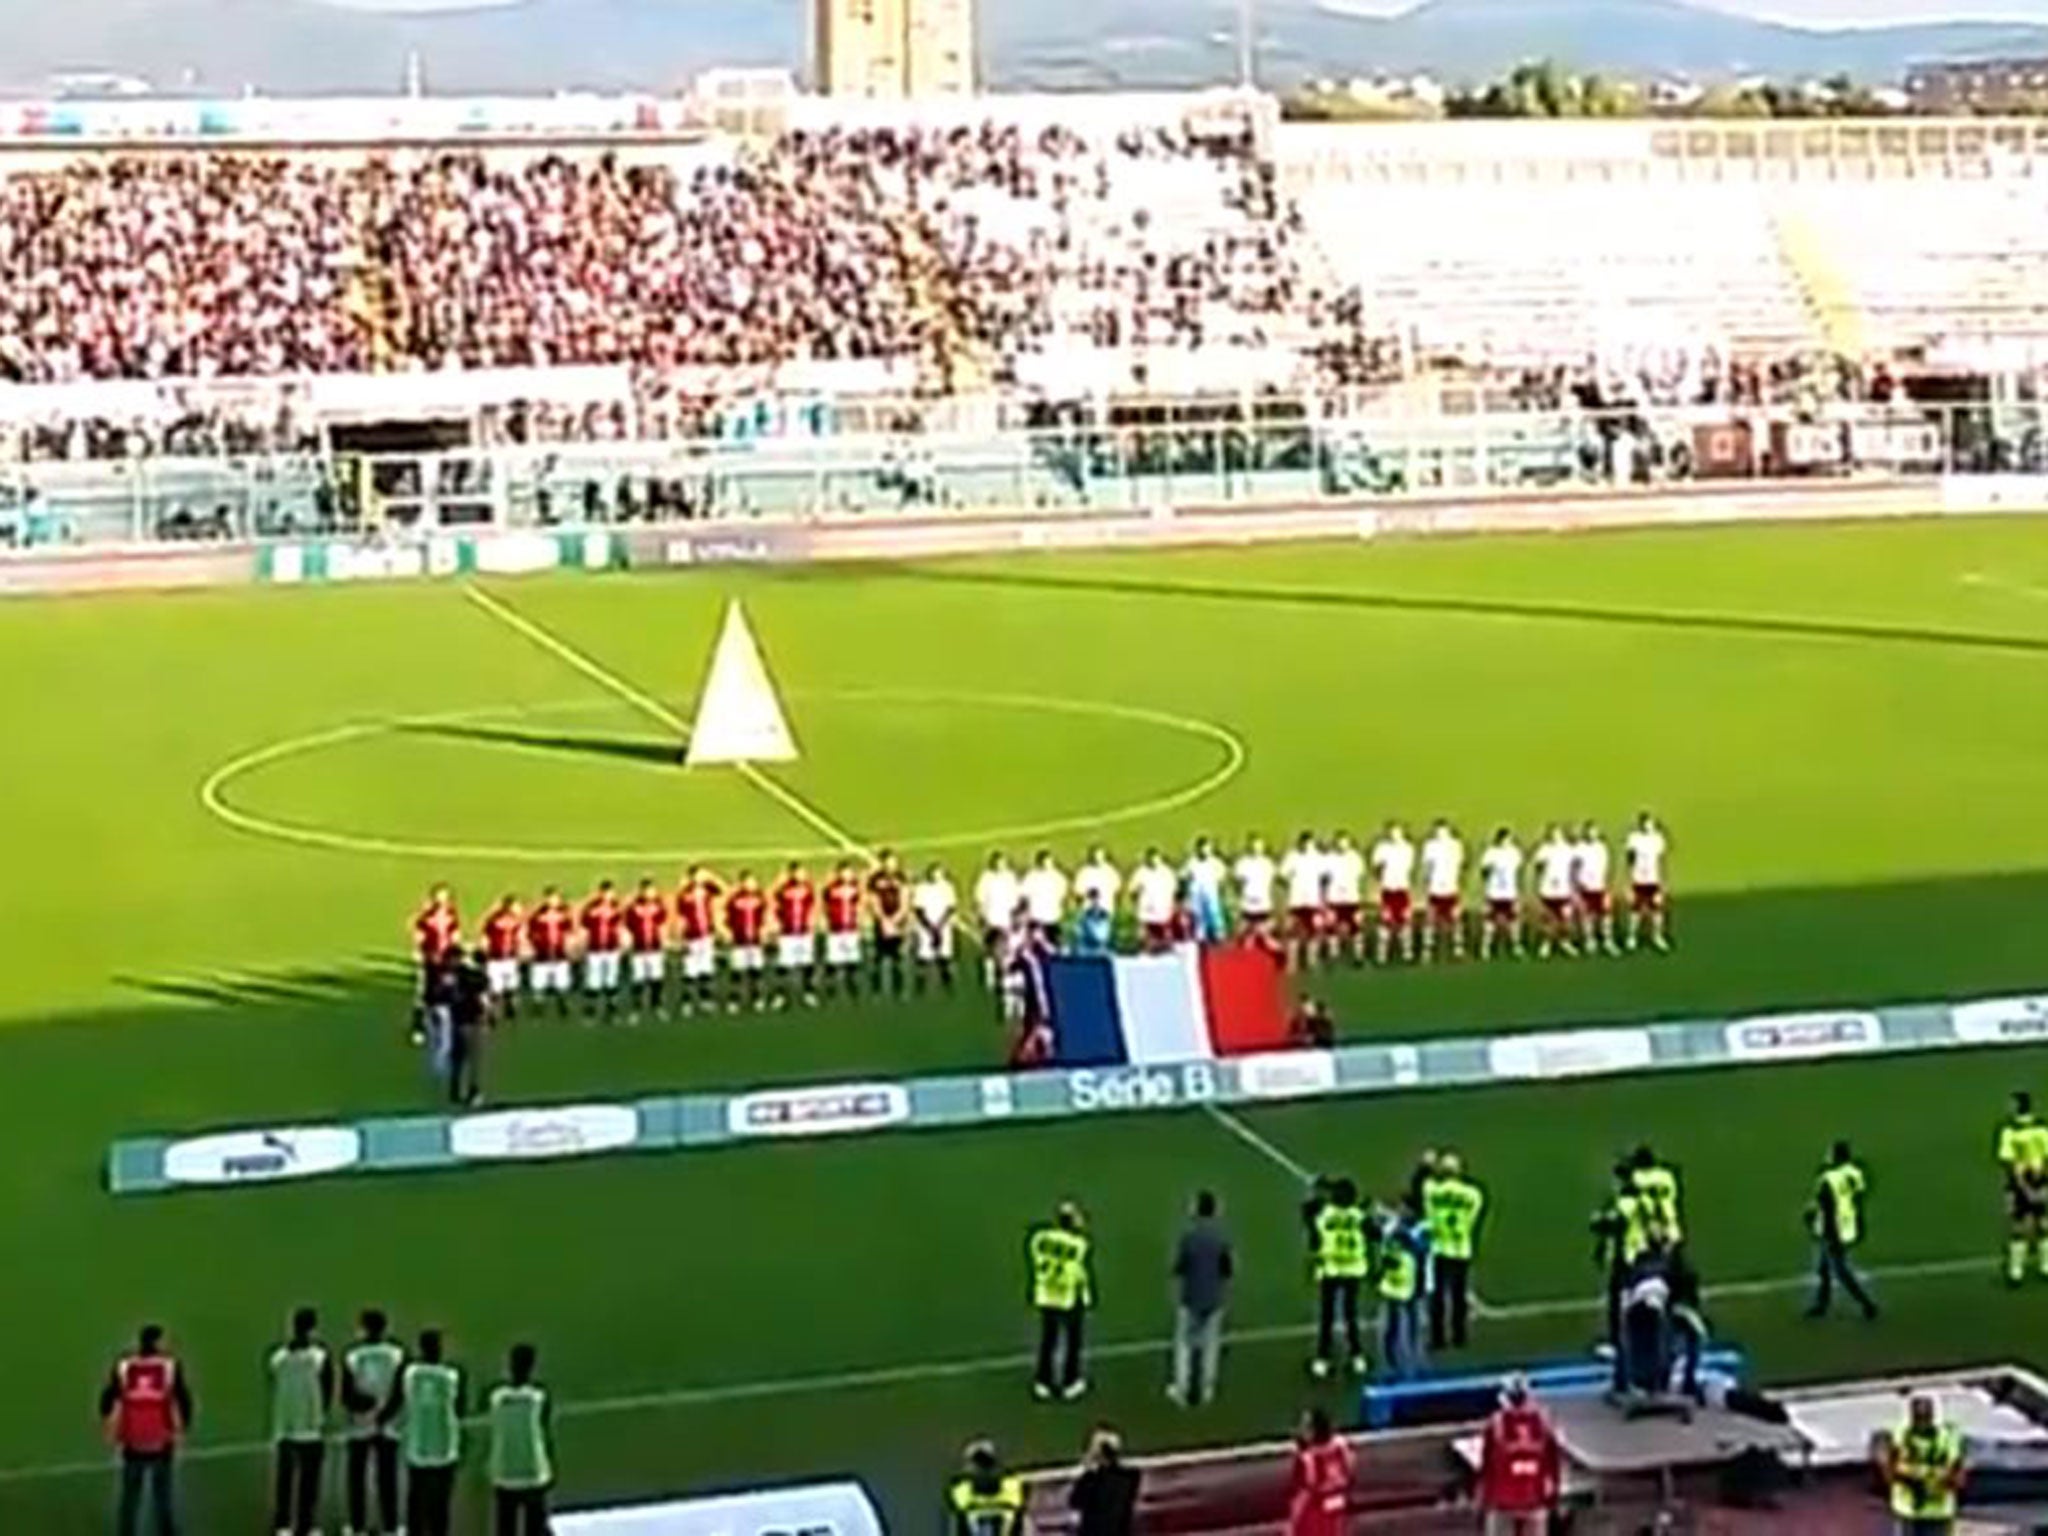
{"x": 1473, "y": 1395}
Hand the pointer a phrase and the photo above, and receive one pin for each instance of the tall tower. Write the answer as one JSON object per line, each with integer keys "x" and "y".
{"x": 889, "y": 49}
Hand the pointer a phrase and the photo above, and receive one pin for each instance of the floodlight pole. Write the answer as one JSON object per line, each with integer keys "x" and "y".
{"x": 1247, "y": 45}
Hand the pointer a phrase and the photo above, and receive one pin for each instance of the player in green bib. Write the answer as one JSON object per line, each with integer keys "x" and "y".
{"x": 369, "y": 1394}
{"x": 522, "y": 1470}
{"x": 428, "y": 1412}
{"x": 301, "y": 1395}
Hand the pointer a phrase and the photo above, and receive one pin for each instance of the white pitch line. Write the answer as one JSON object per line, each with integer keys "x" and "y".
{"x": 562, "y": 650}
{"x": 1991, "y": 582}
{"x": 654, "y": 709}
{"x": 1258, "y": 1143}
{"x": 988, "y": 1365}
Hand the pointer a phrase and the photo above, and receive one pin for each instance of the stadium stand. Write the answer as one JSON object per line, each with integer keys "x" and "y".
{"x": 1064, "y": 303}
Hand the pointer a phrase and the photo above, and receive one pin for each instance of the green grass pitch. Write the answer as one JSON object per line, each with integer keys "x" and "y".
{"x": 1843, "y": 726}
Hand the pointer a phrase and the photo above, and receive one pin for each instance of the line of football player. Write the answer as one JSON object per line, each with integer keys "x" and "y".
{"x": 1311, "y": 901}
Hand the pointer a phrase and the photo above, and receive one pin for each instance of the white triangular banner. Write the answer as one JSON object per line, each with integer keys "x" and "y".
{"x": 739, "y": 717}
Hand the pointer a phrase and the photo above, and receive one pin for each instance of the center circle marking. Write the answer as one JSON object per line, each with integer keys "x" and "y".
{"x": 213, "y": 791}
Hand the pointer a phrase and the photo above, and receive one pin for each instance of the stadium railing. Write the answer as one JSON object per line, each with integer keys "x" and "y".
{"x": 1084, "y": 468}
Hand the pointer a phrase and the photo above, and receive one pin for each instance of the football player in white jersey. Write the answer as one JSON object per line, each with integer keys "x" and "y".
{"x": 1344, "y": 895}
{"x": 936, "y": 909}
{"x": 1097, "y": 880}
{"x": 1591, "y": 863}
{"x": 1647, "y": 908}
{"x": 1555, "y": 857}
{"x": 1044, "y": 893}
{"x": 997, "y": 895}
{"x": 1255, "y": 873}
{"x": 1154, "y": 889}
{"x": 1500, "y": 883}
{"x": 1443, "y": 874}
{"x": 1393, "y": 866}
{"x": 1302, "y": 869}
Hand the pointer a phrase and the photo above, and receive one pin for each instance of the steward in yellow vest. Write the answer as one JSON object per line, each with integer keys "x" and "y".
{"x": 985, "y": 1500}
{"x": 1836, "y": 1216}
{"x": 1922, "y": 1463}
{"x": 1062, "y": 1291}
{"x": 1340, "y": 1257}
{"x": 1451, "y": 1206}
{"x": 2023, "y": 1155}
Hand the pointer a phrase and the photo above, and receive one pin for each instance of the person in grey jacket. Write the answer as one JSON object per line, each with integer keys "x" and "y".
{"x": 1203, "y": 1267}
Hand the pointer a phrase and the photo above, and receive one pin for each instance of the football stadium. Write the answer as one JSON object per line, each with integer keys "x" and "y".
{"x": 744, "y": 738}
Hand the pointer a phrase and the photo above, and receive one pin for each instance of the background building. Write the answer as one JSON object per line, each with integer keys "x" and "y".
{"x": 1978, "y": 87}
{"x": 894, "y": 48}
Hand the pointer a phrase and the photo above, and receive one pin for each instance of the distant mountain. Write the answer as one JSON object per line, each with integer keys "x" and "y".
{"x": 284, "y": 46}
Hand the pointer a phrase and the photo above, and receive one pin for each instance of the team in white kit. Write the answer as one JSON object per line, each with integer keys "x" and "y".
{"x": 1324, "y": 901}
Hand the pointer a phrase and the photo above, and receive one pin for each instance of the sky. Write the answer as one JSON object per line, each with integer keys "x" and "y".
{"x": 1839, "y": 13}
{"x": 1824, "y": 13}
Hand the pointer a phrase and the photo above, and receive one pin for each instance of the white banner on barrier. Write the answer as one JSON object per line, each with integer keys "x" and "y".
{"x": 571, "y": 1130}
{"x": 1997, "y": 1020}
{"x": 1570, "y": 1053}
{"x": 259, "y": 1157}
{"x": 827, "y": 1111}
{"x": 1795, "y": 1036}
{"x": 1287, "y": 1074}
{"x": 818, "y": 1509}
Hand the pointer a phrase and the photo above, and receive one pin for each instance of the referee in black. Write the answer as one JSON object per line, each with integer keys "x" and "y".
{"x": 468, "y": 1015}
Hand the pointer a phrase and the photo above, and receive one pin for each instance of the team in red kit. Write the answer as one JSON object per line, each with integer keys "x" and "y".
{"x": 711, "y": 944}
{"x": 708, "y": 945}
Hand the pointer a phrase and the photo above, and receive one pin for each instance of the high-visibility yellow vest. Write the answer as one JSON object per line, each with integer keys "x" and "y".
{"x": 1400, "y": 1274}
{"x": 1451, "y": 1206}
{"x": 1340, "y": 1243}
{"x": 1059, "y": 1269}
{"x": 1842, "y": 1188}
{"x": 1657, "y": 1188}
{"x": 2023, "y": 1145}
{"x": 1628, "y": 1229}
{"x": 1922, "y": 1465}
{"x": 977, "y": 1511}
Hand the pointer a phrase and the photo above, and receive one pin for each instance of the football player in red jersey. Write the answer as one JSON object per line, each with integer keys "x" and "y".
{"x": 697, "y": 926}
{"x": 603, "y": 921}
{"x": 796, "y": 939}
{"x": 436, "y": 936}
{"x": 647, "y": 936}
{"x": 746, "y": 922}
{"x": 504, "y": 933}
{"x": 889, "y": 900}
{"x": 548, "y": 933}
{"x": 843, "y": 901}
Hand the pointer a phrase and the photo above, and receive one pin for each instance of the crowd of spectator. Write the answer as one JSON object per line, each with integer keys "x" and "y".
{"x": 214, "y": 430}
{"x": 841, "y": 244}
{"x": 1039, "y": 259}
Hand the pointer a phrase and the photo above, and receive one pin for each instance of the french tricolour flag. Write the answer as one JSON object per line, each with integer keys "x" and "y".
{"x": 1187, "y": 1005}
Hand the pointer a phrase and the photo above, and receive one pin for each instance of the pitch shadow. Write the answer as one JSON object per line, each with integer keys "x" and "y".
{"x": 1477, "y": 607}
{"x": 636, "y": 749}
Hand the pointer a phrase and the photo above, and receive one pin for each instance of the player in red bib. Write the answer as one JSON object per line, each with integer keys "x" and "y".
{"x": 844, "y": 899}
{"x": 889, "y": 900}
{"x": 603, "y": 922}
{"x": 746, "y": 922}
{"x": 548, "y": 935}
{"x": 697, "y": 924}
{"x": 504, "y": 936}
{"x": 1521, "y": 1464}
{"x": 1319, "y": 1483}
{"x": 436, "y": 936}
{"x": 647, "y": 936}
{"x": 796, "y": 939}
